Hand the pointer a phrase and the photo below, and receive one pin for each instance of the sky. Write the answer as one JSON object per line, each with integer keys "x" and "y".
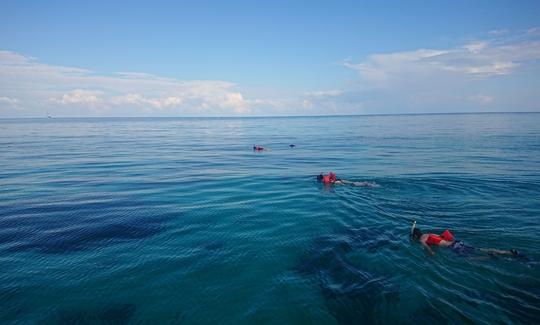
{"x": 267, "y": 58}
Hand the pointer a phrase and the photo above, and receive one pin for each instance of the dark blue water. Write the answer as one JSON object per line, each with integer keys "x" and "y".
{"x": 179, "y": 221}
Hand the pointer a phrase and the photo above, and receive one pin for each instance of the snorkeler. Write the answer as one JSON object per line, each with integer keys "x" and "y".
{"x": 328, "y": 179}
{"x": 446, "y": 239}
{"x": 332, "y": 179}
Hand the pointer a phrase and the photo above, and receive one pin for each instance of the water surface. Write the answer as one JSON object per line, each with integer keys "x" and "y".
{"x": 179, "y": 221}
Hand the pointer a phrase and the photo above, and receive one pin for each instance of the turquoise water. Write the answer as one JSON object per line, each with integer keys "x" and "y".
{"x": 179, "y": 221}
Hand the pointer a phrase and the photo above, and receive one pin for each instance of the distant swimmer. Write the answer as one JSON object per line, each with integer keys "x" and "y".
{"x": 258, "y": 148}
{"x": 328, "y": 179}
{"x": 446, "y": 239}
{"x": 331, "y": 179}
{"x": 292, "y": 145}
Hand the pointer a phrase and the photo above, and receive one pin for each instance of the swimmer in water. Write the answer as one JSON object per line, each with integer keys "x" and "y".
{"x": 258, "y": 148}
{"x": 332, "y": 179}
{"x": 446, "y": 239}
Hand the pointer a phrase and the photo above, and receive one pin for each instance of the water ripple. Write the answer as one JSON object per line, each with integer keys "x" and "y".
{"x": 178, "y": 220}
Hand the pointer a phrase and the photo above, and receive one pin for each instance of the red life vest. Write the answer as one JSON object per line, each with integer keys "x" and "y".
{"x": 433, "y": 239}
{"x": 436, "y": 239}
{"x": 332, "y": 177}
{"x": 326, "y": 179}
{"x": 447, "y": 235}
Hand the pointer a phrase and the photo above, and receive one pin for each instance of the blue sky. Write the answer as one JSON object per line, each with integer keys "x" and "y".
{"x": 221, "y": 58}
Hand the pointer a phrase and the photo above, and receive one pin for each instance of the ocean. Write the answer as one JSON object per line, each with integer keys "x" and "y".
{"x": 178, "y": 220}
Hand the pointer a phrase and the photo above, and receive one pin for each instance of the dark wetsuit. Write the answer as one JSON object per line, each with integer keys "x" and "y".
{"x": 461, "y": 249}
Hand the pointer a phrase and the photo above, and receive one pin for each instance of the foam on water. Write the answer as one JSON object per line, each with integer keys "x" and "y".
{"x": 179, "y": 220}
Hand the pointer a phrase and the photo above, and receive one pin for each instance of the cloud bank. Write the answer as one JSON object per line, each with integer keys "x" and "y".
{"x": 35, "y": 87}
{"x": 499, "y": 72}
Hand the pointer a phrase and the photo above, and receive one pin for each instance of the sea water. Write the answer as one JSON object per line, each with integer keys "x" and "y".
{"x": 178, "y": 220}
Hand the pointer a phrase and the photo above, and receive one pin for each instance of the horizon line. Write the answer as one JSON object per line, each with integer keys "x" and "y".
{"x": 268, "y": 116}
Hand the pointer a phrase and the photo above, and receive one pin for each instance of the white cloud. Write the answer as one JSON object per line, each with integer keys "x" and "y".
{"x": 80, "y": 96}
{"x": 481, "y": 99}
{"x": 307, "y": 104}
{"x": 475, "y": 47}
{"x": 493, "y": 69}
{"x": 535, "y": 31}
{"x": 140, "y": 100}
{"x": 382, "y": 69}
{"x": 452, "y": 79}
{"x": 324, "y": 93}
{"x": 418, "y": 80}
{"x": 8, "y": 100}
{"x": 478, "y": 59}
{"x": 498, "y": 32}
{"x": 126, "y": 92}
{"x": 236, "y": 102}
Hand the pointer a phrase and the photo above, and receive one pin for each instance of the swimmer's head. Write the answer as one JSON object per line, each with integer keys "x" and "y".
{"x": 417, "y": 233}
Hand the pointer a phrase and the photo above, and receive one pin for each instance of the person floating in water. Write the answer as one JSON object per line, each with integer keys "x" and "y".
{"x": 446, "y": 239}
{"x": 331, "y": 179}
{"x": 292, "y": 145}
{"x": 258, "y": 148}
